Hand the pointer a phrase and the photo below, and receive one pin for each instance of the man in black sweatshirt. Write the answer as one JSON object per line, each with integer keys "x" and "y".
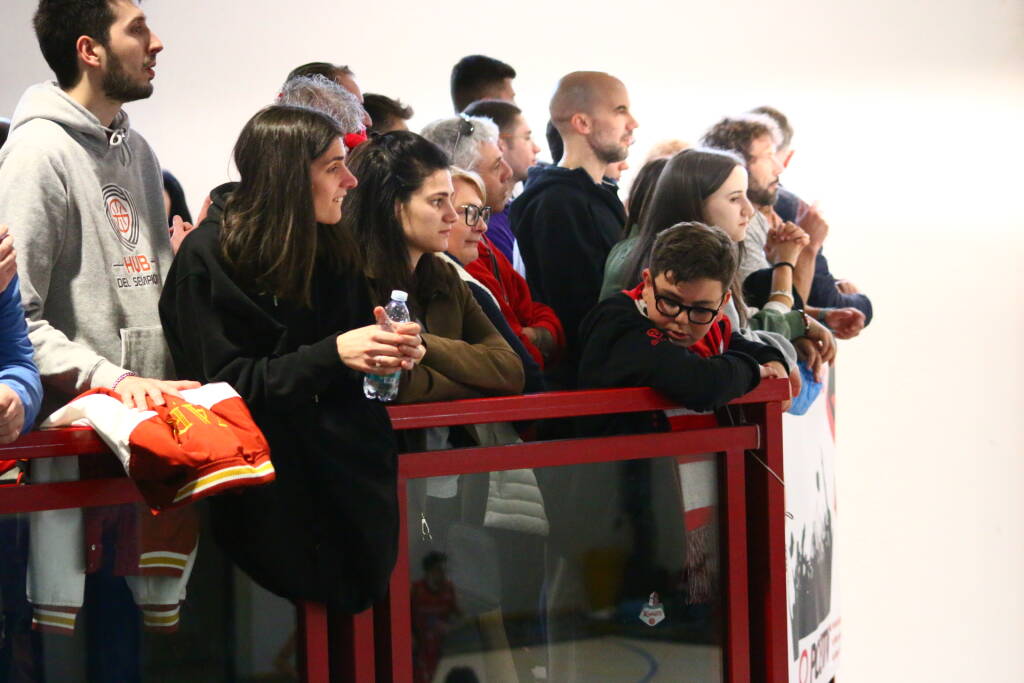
{"x": 567, "y": 220}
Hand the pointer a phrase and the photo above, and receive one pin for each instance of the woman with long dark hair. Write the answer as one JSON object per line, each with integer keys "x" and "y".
{"x": 399, "y": 218}
{"x": 266, "y": 295}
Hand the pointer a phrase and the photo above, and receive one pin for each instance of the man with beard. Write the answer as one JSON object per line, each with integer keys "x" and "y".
{"x": 567, "y": 219}
{"x": 823, "y": 290}
{"x": 83, "y": 196}
{"x": 756, "y": 137}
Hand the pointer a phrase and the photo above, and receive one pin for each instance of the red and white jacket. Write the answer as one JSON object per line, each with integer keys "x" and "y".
{"x": 182, "y": 451}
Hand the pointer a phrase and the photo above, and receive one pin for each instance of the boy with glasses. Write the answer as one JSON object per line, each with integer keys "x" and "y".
{"x": 671, "y": 333}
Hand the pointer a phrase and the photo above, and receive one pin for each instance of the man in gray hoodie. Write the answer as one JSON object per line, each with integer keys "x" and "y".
{"x": 82, "y": 194}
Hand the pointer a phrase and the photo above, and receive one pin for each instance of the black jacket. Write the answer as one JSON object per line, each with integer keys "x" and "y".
{"x": 619, "y": 352}
{"x": 566, "y": 224}
{"x": 327, "y": 528}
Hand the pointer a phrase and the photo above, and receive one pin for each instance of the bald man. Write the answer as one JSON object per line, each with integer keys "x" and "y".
{"x": 566, "y": 220}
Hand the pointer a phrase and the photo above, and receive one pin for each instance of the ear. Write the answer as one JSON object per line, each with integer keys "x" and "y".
{"x": 647, "y": 280}
{"x": 400, "y": 210}
{"x": 502, "y": 145}
{"x": 580, "y": 123}
{"x": 721, "y": 309}
{"x": 90, "y": 52}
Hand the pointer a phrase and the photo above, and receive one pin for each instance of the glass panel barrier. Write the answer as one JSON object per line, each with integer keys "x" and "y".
{"x": 604, "y": 571}
{"x": 76, "y": 607}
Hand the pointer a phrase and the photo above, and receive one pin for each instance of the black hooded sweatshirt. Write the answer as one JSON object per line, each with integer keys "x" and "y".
{"x": 326, "y": 529}
{"x": 566, "y": 224}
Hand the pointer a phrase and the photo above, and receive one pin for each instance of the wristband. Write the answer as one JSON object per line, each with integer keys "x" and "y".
{"x": 782, "y": 292}
{"x": 121, "y": 377}
{"x": 783, "y": 263}
{"x": 820, "y": 315}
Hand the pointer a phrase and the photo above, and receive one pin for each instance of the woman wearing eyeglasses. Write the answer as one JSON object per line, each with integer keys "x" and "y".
{"x": 468, "y": 232}
{"x": 536, "y": 324}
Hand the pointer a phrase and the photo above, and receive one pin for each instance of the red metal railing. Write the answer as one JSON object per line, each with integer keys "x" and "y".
{"x": 376, "y": 645}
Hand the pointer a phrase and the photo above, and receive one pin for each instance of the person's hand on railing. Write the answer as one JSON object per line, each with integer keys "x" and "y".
{"x": 12, "y": 414}
{"x": 375, "y": 350}
{"x": 134, "y": 390}
{"x": 775, "y": 369}
{"x": 845, "y": 323}
{"x": 816, "y": 348}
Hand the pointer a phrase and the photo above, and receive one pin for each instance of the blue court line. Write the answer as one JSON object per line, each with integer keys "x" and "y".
{"x": 652, "y": 663}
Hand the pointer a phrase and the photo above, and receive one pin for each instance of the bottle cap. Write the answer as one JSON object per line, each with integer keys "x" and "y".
{"x": 399, "y": 295}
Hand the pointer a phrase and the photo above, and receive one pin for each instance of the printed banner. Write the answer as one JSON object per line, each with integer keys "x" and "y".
{"x": 812, "y": 594}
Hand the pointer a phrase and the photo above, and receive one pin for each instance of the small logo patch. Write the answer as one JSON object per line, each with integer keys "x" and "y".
{"x": 653, "y": 613}
{"x": 123, "y": 217}
{"x": 657, "y": 336}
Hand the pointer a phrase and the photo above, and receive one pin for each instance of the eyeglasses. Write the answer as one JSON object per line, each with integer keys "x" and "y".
{"x": 697, "y": 315}
{"x": 474, "y": 213}
{"x": 466, "y": 128}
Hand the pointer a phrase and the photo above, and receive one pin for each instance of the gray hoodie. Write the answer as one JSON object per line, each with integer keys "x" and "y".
{"x": 85, "y": 206}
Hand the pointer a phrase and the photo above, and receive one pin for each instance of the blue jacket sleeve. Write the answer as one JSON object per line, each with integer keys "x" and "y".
{"x": 17, "y": 369}
{"x": 825, "y": 295}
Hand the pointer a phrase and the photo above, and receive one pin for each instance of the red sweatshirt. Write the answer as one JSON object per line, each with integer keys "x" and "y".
{"x": 495, "y": 272}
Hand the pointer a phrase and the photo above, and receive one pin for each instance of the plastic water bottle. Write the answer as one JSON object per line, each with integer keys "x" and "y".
{"x": 385, "y": 387}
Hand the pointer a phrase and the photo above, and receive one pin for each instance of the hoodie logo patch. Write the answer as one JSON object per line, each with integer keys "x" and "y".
{"x": 123, "y": 217}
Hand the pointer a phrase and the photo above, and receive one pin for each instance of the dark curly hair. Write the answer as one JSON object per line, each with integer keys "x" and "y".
{"x": 737, "y": 133}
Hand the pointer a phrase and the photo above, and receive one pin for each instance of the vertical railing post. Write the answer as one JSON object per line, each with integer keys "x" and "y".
{"x": 766, "y": 530}
{"x": 734, "y": 523}
{"x": 394, "y": 656}
{"x": 351, "y": 644}
{"x": 312, "y": 643}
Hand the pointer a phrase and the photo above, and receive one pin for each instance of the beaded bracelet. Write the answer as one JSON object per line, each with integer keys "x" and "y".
{"x": 121, "y": 377}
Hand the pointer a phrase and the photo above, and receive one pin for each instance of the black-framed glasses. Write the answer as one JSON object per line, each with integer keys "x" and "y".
{"x": 697, "y": 315}
{"x": 474, "y": 213}
{"x": 466, "y": 128}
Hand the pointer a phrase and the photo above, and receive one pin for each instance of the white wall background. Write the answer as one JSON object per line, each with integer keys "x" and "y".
{"x": 908, "y": 131}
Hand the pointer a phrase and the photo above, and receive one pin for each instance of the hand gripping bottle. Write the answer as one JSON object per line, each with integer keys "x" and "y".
{"x": 385, "y": 387}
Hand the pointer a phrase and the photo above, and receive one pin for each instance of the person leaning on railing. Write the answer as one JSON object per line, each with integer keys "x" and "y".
{"x": 264, "y": 295}
{"x": 400, "y": 216}
{"x": 671, "y": 333}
